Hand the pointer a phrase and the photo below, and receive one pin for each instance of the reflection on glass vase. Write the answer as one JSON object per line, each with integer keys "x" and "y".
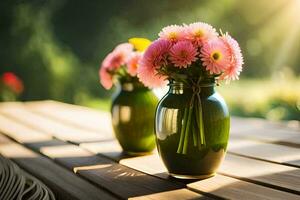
{"x": 133, "y": 111}
{"x": 192, "y": 129}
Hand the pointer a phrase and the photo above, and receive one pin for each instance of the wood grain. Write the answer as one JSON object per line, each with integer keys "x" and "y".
{"x": 75, "y": 116}
{"x": 20, "y": 113}
{"x": 258, "y": 129}
{"x": 232, "y": 188}
{"x": 20, "y": 132}
{"x": 275, "y": 175}
{"x": 111, "y": 149}
{"x": 171, "y": 195}
{"x": 265, "y": 151}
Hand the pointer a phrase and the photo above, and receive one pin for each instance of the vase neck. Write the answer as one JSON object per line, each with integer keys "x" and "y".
{"x": 178, "y": 87}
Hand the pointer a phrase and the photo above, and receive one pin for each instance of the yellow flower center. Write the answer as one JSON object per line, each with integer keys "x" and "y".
{"x": 216, "y": 55}
{"x": 199, "y": 33}
{"x": 172, "y": 36}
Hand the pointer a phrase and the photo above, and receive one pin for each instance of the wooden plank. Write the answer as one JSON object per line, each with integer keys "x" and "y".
{"x": 275, "y": 175}
{"x": 263, "y": 130}
{"x": 19, "y": 112}
{"x": 111, "y": 149}
{"x": 265, "y": 151}
{"x": 63, "y": 183}
{"x": 231, "y": 188}
{"x": 170, "y": 195}
{"x": 86, "y": 118}
{"x": 20, "y": 132}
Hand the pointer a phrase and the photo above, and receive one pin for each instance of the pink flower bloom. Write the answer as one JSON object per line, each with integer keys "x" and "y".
{"x": 118, "y": 56}
{"x": 154, "y": 57}
{"x": 199, "y": 32}
{"x": 215, "y": 55}
{"x": 132, "y": 63}
{"x": 233, "y": 71}
{"x": 156, "y": 54}
{"x": 172, "y": 33}
{"x": 183, "y": 53}
{"x": 125, "y": 47}
{"x": 148, "y": 75}
{"x": 106, "y": 78}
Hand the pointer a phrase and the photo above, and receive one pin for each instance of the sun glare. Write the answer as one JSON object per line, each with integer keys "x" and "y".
{"x": 283, "y": 30}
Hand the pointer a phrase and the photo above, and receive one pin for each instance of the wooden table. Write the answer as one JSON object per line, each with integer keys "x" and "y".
{"x": 73, "y": 151}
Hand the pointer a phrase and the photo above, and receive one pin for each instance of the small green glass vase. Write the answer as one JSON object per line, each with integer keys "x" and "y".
{"x": 192, "y": 130}
{"x": 133, "y": 111}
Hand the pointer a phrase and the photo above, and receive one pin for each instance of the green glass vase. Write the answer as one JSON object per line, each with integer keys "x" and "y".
{"x": 133, "y": 112}
{"x": 192, "y": 130}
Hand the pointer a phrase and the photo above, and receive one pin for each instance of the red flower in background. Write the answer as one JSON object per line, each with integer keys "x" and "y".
{"x": 13, "y": 82}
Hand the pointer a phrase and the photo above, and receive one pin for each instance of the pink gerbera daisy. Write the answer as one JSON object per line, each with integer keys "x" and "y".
{"x": 199, "y": 32}
{"x": 132, "y": 63}
{"x": 113, "y": 61}
{"x": 156, "y": 54}
{"x": 154, "y": 57}
{"x": 183, "y": 53}
{"x": 149, "y": 76}
{"x": 105, "y": 77}
{"x": 125, "y": 47}
{"x": 118, "y": 56}
{"x": 233, "y": 71}
{"x": 215, "y": 55}
{"x": 172, "y": 33}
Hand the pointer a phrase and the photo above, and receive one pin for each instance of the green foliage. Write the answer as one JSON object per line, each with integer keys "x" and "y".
{"x": 272, "y": 99}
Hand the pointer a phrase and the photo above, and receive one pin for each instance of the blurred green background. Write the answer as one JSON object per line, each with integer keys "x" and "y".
{"x": 56, "y": 47}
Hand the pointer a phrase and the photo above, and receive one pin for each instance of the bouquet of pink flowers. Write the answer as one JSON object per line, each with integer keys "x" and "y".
{"x": 194, "y": 51}
{"x": 196, "y": 56}
{"x": 121, "y": 64}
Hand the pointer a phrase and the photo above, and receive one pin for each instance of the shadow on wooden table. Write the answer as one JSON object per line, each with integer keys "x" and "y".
{"x": 105, "y": 172}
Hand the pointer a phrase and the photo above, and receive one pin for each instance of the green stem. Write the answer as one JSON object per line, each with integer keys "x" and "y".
{"x": 194, "y": 128}
{"x": 201, "y": 127}
{"x": 182, "y": 131}
{"x": 199, "y": 116}
{"x": 198, "y": 125}
{"x": 187, "y": 130}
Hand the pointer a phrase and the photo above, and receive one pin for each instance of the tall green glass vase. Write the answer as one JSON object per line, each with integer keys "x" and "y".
{"x": 133, "y": 111}
{"x": 192, "y": 129}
